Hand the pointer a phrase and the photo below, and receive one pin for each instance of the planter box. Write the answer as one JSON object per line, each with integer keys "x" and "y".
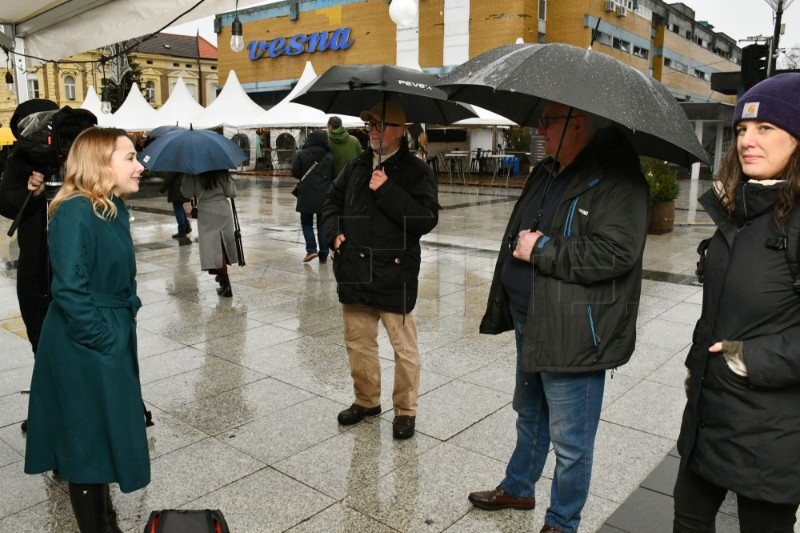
{"x": 662, "y": 218}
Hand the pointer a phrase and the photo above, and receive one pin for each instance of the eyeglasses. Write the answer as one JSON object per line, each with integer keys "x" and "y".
{"x": 378, "y": 126}
{"x": 545, "y": 121}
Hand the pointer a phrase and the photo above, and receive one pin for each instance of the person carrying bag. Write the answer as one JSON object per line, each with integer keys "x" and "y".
{"x": 313, "y": 166}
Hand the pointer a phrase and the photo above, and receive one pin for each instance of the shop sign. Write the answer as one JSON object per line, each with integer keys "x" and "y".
{"x": 295, "y": 45}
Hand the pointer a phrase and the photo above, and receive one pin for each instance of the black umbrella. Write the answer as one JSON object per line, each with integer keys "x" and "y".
{"x": 518, "y": 80}
{"x": 351, "y": 89}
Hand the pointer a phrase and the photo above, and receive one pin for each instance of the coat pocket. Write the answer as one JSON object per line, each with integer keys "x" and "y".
{"x": 380, "y": 269}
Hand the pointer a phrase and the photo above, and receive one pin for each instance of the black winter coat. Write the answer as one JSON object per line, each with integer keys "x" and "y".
{"x": 588, "y": 274}
{"x": 33, "y": 278}
{"x": 312, "y": 189}
{"x": 378, "y": 263}
{"x": 743, "y": 433}
{"x": 172, "y": 186}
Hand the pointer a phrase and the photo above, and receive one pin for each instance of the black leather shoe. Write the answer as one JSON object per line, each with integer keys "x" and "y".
{"x": 179, "y": 235}
{"x": 24, "y": 426}
{"x": 494, "y": 500}
{"x": 550, "y": 529}
{"x": 356, "y": 413}
{"x": 403, "y": 427}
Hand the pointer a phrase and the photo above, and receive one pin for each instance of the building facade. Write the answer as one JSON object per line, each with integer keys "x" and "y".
{"x": 659, "y": 39}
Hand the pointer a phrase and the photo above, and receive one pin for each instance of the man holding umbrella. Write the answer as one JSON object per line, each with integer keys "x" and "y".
{"x": 567, "y": 280}
{"x": 377, "y": 209}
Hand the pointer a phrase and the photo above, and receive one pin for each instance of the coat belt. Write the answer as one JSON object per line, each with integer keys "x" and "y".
{"x": 117, "y": 302}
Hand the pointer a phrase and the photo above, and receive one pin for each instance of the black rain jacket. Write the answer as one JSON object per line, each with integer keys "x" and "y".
{"x": 743, "y": 433}
{"x": 588, "y": 273}
{"x": 379, "y": 261}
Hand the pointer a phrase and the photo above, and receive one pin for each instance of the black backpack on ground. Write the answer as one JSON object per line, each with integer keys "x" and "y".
{"x": 176, "y": 521}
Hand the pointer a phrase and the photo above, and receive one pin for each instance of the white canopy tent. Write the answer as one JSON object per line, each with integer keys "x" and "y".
{"x": 135, "y": 114}
{"x": 288, "y": 114}
{"x": 92, "y": 103}
{"x": 180, "y": 109}
{"x": 231, "y": 108}
{"x": 485, "y": 118}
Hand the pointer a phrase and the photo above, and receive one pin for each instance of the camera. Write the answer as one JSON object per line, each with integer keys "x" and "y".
{"x": 46, "y": 138}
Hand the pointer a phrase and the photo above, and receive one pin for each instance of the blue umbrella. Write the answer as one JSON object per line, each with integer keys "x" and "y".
{"x": 192, "y": 152}
{"x": 163, "y": 130}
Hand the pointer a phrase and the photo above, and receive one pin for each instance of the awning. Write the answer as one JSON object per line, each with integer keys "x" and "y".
{"x": 55, "y": 29}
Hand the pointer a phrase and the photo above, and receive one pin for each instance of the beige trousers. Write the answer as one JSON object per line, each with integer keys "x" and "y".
{"x": 361, "y": 339}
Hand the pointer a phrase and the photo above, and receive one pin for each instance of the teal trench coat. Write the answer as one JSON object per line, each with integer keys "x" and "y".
{"x": 85, "y": 415}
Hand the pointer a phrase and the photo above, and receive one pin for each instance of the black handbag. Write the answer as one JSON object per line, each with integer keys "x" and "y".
{"x": 296, "y": 189}
{"x": 176, "y": 521}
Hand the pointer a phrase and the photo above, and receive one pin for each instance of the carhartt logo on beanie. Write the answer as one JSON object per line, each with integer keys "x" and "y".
{"x": 775, "y": 100}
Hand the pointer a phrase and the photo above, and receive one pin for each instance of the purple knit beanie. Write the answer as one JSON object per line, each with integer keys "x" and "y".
{"x": 775, "y": 100}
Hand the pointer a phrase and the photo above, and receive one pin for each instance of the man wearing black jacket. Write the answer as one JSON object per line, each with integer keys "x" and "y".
{"x": 375, "y": 212}
{"x": 567, "y": 281}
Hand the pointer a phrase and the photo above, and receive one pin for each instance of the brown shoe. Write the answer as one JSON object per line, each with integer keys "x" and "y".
{"x": 403, "y": 427}
{"x": 494, "y": 500}
{"x": 549, "y": 529}
{"x": 309, "y": 257}
{"x": 356, "y": 413}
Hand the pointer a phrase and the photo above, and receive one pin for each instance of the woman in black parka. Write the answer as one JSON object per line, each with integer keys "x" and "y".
{"x": 741, "y": 426}
{"x": 312, "y": 189}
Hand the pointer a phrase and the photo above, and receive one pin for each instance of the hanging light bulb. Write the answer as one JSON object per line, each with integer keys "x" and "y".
{"x": 105, "y": 103}
{"x": 237, "y": 41}
{"x": 9, "y": 77}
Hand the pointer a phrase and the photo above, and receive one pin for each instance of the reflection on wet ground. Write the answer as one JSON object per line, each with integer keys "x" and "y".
{"x": 245, "y": 391}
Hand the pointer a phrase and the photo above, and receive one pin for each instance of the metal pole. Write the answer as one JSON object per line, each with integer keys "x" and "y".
{"x": 776, "y": 36}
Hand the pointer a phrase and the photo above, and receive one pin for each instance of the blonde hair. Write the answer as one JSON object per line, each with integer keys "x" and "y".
{"x": 88, "y": 171}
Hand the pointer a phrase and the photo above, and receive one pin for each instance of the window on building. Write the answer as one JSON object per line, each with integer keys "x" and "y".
{"x": 33, "y": 88}
{"x": 69, "y": 87}
{"x": 192, "y": 89}
{"x": 638, "y": 51}
{"x": 619, "y": 44}
{"x": 675, "y": 65}
{"x": 604, "y": 38}
{"x": 150, "y": 91}
{"x": 542, "y": 9}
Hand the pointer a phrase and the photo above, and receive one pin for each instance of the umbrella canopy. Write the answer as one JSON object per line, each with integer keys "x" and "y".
{"x": 516, "y": 81}
{"x": 352, "y": 89}
{"x": 192, "y": 152}
{"x": 163, "y": 130}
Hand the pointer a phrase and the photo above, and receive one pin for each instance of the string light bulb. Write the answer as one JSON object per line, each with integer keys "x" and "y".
{"x": 237, "y": 41}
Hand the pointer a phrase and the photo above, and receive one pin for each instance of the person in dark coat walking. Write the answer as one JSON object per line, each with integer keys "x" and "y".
{"x": 313, "y": 166}
{"x": 85, "y": 414}
{"x": 567, "y": 281}
{"x": 741, "y": 426}
{"x": 172, "y": 186}
{"x": 379, "y": 206}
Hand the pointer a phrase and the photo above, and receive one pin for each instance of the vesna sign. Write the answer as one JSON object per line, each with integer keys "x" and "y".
{"x": 295, "y": 45}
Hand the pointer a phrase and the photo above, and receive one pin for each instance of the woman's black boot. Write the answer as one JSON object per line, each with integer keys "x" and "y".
{"x": 224, "y": 285}
{"x": 93, "y": 509}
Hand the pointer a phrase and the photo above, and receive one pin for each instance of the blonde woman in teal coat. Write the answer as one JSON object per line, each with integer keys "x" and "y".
{"x": 85, "y": 412}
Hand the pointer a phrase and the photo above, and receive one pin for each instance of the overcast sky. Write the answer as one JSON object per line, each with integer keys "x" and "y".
{"x": 737, "y": 18}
